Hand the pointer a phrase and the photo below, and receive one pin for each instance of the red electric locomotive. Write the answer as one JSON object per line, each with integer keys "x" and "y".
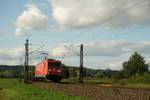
{"x": 49, "y": 69}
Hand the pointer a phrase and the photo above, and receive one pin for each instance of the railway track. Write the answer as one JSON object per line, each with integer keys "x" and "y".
{"x": 106, "y": 85}
{"x": 99, "y": 91}
{"x": 99, "y": 85}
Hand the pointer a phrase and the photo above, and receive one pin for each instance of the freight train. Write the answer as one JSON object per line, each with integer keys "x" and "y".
{"x": 49, "y": 69}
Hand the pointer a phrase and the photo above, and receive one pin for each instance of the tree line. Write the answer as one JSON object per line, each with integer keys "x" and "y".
{"x": 136, "y": 66}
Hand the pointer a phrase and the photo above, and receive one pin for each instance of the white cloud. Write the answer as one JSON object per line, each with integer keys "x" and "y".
{"x": 12, "y": 53}
{"x": 96, "y": 54}
{"x": 100, "y": 55}
{"x": 9, "y": 62}
{"x": 11, "y": 56}
{"x": 57, "y": 29}
{"x": 107, "y": 48}
{"x": 20, "y": 31}
{"x": 60, "y": 50}
{"x": 115, "y": 65}
{"x": 87, "y": 13}
{"x": 31, "y": 19}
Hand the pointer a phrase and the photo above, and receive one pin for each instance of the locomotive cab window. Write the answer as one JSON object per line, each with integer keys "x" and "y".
{"x": 50, "y": 64}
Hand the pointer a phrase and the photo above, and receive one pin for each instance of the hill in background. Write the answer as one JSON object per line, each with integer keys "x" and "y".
{"x": 73, "y": 71}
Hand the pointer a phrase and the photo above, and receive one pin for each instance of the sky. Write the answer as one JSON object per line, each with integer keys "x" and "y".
{"x": 110, "y": 31}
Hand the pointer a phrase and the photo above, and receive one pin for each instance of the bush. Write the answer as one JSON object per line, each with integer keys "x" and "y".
{"x": 119, "y": 75}
{"x": 100, "y": 74}
{"x": 145, "y": 78}
{"x": 10, "y": 74}
{"x": 1, "y": 74}
{"x": 65, "y": 73}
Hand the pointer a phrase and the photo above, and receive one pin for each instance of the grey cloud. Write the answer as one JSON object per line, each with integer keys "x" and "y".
{"x": 106, "y": 48}
{"x": 87, "y": 13}
{"x": 12, "y": 53}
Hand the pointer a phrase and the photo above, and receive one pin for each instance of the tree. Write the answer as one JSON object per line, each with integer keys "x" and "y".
{"x": 100, "y": 74}
{"x": 72, "y": 72}
{"x": 65, "y": 72}
{"x": 136, "y": 64}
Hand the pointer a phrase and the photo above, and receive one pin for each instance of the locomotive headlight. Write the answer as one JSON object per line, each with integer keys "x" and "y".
{"x": 58, "y": 70}
{"x": 49, "y": 70}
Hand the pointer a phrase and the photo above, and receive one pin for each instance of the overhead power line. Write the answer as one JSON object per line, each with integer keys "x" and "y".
{"x": 72, "y": 50}
{"x": 107, "y": 20}
{"x": 110, "y": 18}
{"x": 127, "y": 32}
{"x": 36, "y": 49}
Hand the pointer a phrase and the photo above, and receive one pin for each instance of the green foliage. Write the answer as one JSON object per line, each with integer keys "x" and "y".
{"x": 104, "y": 74}
{"x": 12, "y": 89}
{"x": 100, "y": 74}
{"x": 10, "y": 74}
{"x": 143, "y": 81}
{"x": 1, "y": 74}
{"x": 7, "y": 74}
{"x": 90, "y": 72}
{"x": 16, "y": 74}
{"x": 87, "y": 72}
{"x": 136, "y": 64}
{"x": 71, "y": 80}
{"x": 65, "y": 73}
{"x": 119, "y": 75}
{"x": 72, "y": 72}
{"x": 145, "y": 78}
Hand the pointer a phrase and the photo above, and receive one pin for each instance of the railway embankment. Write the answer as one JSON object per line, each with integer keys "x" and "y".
{"x": 98, "y": 92}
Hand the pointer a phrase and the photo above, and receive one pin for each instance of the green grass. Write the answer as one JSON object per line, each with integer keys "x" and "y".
{"x": 13, "y": 89}
{"x": 113, "y": 82}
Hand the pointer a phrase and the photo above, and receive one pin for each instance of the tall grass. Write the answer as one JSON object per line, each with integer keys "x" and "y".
{"x": 13, "y": 89}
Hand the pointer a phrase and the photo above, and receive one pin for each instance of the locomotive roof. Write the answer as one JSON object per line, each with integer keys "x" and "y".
{"x": 48, "y": 59}
{"x": 53, "y": 59}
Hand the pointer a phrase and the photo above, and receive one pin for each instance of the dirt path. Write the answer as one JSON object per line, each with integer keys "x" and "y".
{"x": 98, "y": 92}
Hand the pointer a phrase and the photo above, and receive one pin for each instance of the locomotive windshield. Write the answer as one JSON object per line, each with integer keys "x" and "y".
{"x": 50, "y": 64}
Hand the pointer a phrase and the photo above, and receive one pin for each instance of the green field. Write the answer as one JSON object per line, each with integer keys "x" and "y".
{"x": 14, "y": 89}
{"x": 113, "y": 82}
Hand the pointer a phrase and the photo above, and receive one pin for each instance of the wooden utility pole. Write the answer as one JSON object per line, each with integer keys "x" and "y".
{"x": 26, "y": 73}
{"x": 81, "y": 75}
